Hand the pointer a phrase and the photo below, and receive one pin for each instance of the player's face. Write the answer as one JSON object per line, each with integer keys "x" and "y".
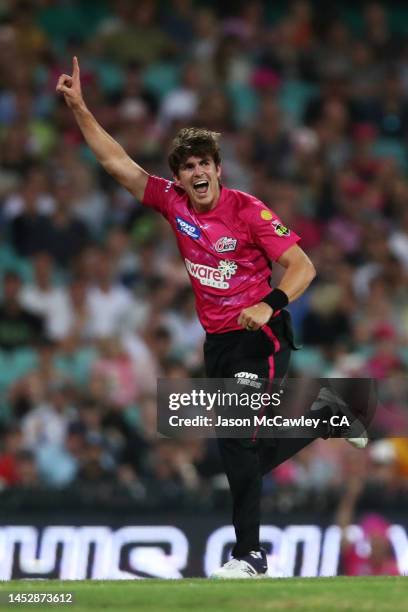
{"x": 199, "y": 177}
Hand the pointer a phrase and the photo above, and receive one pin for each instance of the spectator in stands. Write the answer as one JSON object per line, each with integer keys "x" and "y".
{"x": 181, "y": 103}
{"x": 187, "y": 334}
{"x": 73, "y": 319}
{"x": 124, "y": 257}
{"x": 18, "y": 327}
{"x": 135, "y": 36}
{"x": 110, "y": 303}
{"x": 172, "y": 470}
{"x": 27, "y": 467}
{"x": 66, "y": 235}
{"x": 43, "y": 297}
{"x": 369, "y": 552}
{"x": 29, "y": 228}
{"x": 58, "y": 464}
{"x": 96, "y": 476}
{"x": 49, "y": 421}
{"x": 34, "y": 189}
{"x": 116, "y": 367}
{"x": 11, "y": 444}
{"x": 89, "y": 201}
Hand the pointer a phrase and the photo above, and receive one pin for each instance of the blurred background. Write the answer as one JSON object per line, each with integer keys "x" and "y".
{"x": 311, "y": 99}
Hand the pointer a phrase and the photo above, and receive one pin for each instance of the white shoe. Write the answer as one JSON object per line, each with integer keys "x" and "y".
{"x": 253, "y": 565}
{"x": 359, "y": 443}
{"x": 338, "y": 406}
{"x": 358, "y": 436}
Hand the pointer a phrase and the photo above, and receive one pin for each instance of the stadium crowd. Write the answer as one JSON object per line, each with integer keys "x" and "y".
{"x": 312, "y": 104}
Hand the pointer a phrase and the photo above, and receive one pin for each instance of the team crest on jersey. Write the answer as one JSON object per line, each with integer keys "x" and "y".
{"x": 225, "y": 244}
{"x": 187, "y": 228}
{"x": 280, "y": 229}
{"x": 212, "y": 277}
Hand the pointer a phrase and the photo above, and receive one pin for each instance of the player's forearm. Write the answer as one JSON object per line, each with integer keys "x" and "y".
{"x": 102, "y": 144}
{"x": 109, "y": 152}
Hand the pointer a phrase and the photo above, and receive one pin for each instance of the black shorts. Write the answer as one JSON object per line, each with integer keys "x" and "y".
{"x": 265, "y": 352}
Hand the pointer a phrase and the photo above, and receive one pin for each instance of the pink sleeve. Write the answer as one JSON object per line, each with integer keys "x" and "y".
{"x": 268, "y": 231}
{"x": 158, "y": 193}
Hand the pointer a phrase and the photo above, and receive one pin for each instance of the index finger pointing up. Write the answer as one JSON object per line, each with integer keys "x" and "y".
{"x": 75, "y": 68}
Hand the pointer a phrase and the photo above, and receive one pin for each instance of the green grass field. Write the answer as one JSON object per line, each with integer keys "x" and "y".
{"x": 321, "y": 594}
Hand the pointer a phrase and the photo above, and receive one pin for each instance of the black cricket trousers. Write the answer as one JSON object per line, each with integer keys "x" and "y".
{"x": 266, "y": 353}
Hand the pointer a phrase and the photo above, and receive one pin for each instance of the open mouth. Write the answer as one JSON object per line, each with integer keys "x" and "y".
{"x": 201, "y": 187}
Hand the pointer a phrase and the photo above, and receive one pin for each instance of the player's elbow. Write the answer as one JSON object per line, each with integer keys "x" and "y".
{"x": 308, "y": 271}
{"x": 296, "y": 261}
{"x": 311, "y": 271}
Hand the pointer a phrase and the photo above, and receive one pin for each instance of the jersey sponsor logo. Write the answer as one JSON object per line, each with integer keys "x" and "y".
{"x": 212, "y": 277}
{"x": 187, "y": 228}
{"x": 280, "y": 229}
{"x": 266, "y": 215}
{"x": 225, "y": 244}
{"x": 246, "y": 375}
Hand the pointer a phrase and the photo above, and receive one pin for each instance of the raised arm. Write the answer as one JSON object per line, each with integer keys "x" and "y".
{"x": 108, "y": 152}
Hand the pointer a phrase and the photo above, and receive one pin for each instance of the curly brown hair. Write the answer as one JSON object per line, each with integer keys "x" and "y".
{"x": 198, "y": 142}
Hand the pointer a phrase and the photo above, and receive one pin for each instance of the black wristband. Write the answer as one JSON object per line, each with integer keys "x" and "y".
{"x": 277, "y": 299}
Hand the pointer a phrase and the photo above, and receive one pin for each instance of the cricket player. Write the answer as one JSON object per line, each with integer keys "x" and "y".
{"x": 228, "y": 240}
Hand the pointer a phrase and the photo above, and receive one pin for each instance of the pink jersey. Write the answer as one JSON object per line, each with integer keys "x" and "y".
{"x": 227, "y": 250}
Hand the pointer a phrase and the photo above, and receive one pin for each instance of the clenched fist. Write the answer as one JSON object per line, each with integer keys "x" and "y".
{"x": 70, "y": 86}
{"x": 255, "y": 317}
